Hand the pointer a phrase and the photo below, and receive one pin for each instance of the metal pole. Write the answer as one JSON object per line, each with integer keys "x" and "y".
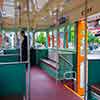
{"x": 28, "y": 16}
{"x": 47, "y": 32}
{"x": 34, "y": 39}
{"x": 15, "y": 23}
{"x": 57, "y": 65}
{"x": 19, "y": 7}
{"x": 19, "y": 15}
{"x": 86, "y": 60}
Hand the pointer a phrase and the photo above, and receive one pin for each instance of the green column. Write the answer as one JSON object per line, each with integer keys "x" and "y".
{"x": 69, "y": 32}
{"x": 65, "y": 30}
{"x": 47, "y": 32}
{"x": 34, "y": 39}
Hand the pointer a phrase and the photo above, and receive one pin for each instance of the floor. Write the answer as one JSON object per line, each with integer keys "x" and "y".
{"x": 43, "y": 87}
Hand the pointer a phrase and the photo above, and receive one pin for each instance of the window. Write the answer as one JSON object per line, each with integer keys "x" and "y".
{"x": 40, "y": 39}
{"x": 61, "y": 30}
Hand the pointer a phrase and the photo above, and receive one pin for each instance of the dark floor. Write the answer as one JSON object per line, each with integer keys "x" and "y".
{"x": 43, "y": 87}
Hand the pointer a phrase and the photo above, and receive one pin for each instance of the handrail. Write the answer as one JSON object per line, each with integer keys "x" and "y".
{"x": 66, "y": 60}
{"x": 9, "y": 55}
{"x": 10, "y": 63}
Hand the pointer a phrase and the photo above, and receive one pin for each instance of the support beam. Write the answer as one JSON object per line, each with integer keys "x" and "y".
{"x": 85, "y": 55}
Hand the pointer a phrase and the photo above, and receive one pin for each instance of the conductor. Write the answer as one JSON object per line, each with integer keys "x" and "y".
{"x": 24, "y": 46}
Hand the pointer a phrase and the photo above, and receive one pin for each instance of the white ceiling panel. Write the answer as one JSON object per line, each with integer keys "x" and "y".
{"x": 39, "y": 4}
{"x": 8, "y": 8}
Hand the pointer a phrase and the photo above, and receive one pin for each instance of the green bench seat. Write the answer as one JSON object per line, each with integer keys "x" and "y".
{"x": 12, "y": 51}
{"x": 9, "y": 58}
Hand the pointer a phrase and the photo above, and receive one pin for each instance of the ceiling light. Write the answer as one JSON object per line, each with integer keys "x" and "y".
{"x": 61, "y": 9}
{"x": 66, "y": 1}
{"x": 54, "y": 13}
{"x": 25, "y": 9}
{"x": 50, "y": 13}
{"x": 55, "y": 8}
{"x": 17, "y": 4}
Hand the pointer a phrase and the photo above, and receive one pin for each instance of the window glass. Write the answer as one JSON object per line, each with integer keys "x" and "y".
{"x": 40, "y": 39}
{"x": 61, "y": 30}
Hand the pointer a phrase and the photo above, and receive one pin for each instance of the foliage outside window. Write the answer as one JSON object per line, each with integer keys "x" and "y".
{"x": 93, "y": 42}
{"x": 40, "y": 39}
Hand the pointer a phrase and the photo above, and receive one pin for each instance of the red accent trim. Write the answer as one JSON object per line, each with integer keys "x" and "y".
{"x": 58, "y": 40}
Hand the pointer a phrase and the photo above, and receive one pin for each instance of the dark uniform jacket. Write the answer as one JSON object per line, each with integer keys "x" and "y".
{"x": 24, "y": 49}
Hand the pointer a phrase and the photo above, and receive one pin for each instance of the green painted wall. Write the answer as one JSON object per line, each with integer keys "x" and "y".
{"x": 11, "y": 51}
{"x": 41, "y": 54}
{"x": 9, "y": 58}
{"x": 65, "y": 67}
{"x": 10, "y": 55}
{"x": 12, "y": 79}
{"x": 93, "y": 75}
{"x": 91, "y": 96}
{"x": 37, "y": 54}
{"x": 93, "y": 71}
{"x": 32, "y": 56}
{"x": 71, "y": 56}
{"x": 48, "y": 69}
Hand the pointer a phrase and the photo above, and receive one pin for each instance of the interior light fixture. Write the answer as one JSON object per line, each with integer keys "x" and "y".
{"x": 50, "y": 13}
{"x": 67, "y": 1}
{"x": 55, "y": 8}
{"x": 17, "y": 4}
{"x": 25, "y": 9}
{"x": 61, "y": 9}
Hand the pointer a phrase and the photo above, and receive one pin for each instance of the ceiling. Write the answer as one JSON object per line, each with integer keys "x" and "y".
{"x": 42, "y": 13}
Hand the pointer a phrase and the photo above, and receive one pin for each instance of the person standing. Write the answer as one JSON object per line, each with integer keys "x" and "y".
{"x": 24, "y": 46}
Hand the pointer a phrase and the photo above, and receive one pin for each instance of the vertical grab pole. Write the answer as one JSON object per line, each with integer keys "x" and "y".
{"x": 19, "y": 7}
{"x": 28, "y": 17}
{"x": 20, "y": 36}
{"x": 57, "y": 65}
{"x": 86, "y": 60}
{"x": 15, "y": 22}
{"x": 57, "y": 53}
{"x": 47, "y": 38}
